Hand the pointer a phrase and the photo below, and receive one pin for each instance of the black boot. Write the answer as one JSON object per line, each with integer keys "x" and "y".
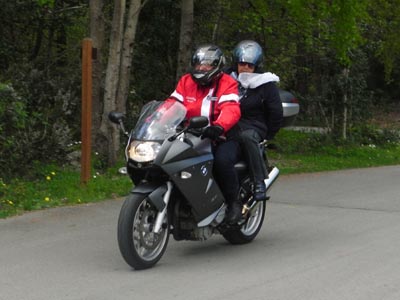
{"x": 260, "y": 191}
{"x": 234, "y": 212}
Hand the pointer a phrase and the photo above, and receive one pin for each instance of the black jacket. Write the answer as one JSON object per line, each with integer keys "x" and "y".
{"x": 261, "y": 109}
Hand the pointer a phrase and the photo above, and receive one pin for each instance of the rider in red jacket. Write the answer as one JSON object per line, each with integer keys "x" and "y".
{"x": 207, "y": 91}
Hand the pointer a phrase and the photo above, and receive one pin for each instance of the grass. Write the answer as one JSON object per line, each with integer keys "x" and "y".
{"x": 344, "y": 158}
{"x": 57, "y": 186}
{"x": 294, "y": 152}
{"x": 299, "y": 152}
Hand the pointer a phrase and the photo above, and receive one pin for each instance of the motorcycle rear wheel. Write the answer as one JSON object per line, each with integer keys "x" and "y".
{"x": 250, "y": 228}
{"x": 140, "y": 247}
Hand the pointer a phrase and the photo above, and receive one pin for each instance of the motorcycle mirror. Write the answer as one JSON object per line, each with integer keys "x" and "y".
{"x": 198, "y": 122}
{"x": 115, "y": 117}
{"x": 195, "y": 122}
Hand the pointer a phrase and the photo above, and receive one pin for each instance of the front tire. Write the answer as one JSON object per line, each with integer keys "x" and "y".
{"x": 139, "y": 245}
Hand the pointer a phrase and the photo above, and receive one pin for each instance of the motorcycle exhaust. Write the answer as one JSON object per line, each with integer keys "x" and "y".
{"x": 272, "y": 176}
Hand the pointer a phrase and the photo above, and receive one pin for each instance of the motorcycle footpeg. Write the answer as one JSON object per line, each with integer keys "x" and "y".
{"x": 266, "y": 199}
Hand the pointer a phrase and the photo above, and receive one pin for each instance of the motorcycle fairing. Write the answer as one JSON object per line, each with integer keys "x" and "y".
{"x": 174, "y": 151}
{"x": 218, "y": 215}
{"x": 198, "y": 185}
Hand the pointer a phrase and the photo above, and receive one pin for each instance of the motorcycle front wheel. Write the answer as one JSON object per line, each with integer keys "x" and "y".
{"x": 139, "y": 245}
{"x": 250, "y": 228}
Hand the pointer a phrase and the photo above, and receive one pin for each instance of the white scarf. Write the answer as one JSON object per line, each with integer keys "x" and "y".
{"x": 253, "y": 80}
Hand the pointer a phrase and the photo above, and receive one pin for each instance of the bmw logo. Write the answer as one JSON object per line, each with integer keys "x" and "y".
{"x": 204, "y": 170}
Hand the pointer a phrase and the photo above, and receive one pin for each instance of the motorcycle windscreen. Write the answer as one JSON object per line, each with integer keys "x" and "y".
{"x": 158, "y": 120}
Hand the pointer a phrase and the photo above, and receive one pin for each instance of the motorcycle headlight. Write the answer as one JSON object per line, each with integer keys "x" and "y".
{"x": 143, "y": 151}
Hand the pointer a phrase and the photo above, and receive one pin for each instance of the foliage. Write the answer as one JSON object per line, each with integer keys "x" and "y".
{"x": 310, "y": 45}
{"x": 367, "y": 135}
{"x": 27, "y": 135}
{"x": 49, "y": 3}
{"x": 307, "y": 44}
{"x": 383, "y": 33}
{"x": 302, "y": 142}
{"x": 13, "y": 121}
{"x": 154, "y": 56}
{"x": 40, "y": 101}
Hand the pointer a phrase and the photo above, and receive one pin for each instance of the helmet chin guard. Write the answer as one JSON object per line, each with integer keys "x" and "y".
{"x": 206, "y": 77}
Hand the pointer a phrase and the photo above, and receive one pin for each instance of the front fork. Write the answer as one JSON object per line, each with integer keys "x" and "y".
{"x": 161, "y": 214}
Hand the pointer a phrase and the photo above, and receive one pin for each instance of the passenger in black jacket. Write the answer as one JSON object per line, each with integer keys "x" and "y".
{"x": 262, "y": 115}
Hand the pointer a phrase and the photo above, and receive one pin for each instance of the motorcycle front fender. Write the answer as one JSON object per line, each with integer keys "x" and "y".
{"x": 154, "y": 192}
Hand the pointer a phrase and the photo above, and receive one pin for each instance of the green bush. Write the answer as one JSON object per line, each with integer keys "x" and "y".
{"x": 295, "y": 142}
{"x": 367, "y": 134}
{"x": 27, "y": 134}
{"x": 13, "y": 120}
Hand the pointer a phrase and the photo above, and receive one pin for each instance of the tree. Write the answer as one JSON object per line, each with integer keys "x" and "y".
{"x": 185, "y": 39}
{"x": 110, "y": 134}
{"x": 334, "y": 55}
{"x": 127, "y": 53}
{"x": 118, "y": 71}
{"x": 383, "y": 32}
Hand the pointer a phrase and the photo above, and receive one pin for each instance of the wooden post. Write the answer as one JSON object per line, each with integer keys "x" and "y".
{"x": 86, "y": 119}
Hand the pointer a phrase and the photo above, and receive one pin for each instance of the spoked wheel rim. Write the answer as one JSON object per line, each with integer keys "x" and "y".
{"x": 148, "y": 245}
{"x": 254, "y": 218}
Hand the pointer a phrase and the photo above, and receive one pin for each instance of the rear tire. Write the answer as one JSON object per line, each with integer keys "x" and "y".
{"x": 140, "y": 247}
{"x": 247, "y": 231}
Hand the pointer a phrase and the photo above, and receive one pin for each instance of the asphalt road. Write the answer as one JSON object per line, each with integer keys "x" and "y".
{"x": 331, "y": 235}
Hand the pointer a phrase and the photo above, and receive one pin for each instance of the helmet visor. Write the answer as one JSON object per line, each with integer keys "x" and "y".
{"x": 250, "y": 55}
{"x": 204, "y": 67}
{"x": 207, "y": 56}
{"x": 248, "y": 52}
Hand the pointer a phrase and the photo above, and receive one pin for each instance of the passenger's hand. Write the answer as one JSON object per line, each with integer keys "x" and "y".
{"x": 212, "y": 132}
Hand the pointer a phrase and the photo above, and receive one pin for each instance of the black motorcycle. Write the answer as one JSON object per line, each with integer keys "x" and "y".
{"x": 175, "y": 191}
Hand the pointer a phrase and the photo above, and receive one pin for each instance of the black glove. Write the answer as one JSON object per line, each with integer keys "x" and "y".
{"x": 212, "y": 132}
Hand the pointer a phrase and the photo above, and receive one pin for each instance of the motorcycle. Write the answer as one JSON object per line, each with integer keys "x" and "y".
{"x": 175, "y": 192}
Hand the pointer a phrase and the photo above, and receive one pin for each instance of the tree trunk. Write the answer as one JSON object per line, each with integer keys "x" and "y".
{"x": 127, "y": 52}
{"x": 344, "y": 125}
{"x": 345, "y": 104}
{"x": 109, "y": 131}
{"x": 97, "y": 35}
{"x": 185, "y": 39}
{"x": 215, "y": 34}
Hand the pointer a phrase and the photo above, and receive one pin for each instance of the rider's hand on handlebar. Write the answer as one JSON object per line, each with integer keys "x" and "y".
{"x": 212, "y": 132}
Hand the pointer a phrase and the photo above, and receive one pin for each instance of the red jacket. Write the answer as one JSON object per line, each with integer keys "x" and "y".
{"x": 221, "y": 108}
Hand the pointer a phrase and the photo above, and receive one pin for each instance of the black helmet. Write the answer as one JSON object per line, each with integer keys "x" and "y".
{"x": 209, "y": 55}
{"x": 249, "y": 52}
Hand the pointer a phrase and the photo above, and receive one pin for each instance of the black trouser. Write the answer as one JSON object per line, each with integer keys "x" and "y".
{"x": 227, "y": 154}
{"x": 249, "y": 140}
